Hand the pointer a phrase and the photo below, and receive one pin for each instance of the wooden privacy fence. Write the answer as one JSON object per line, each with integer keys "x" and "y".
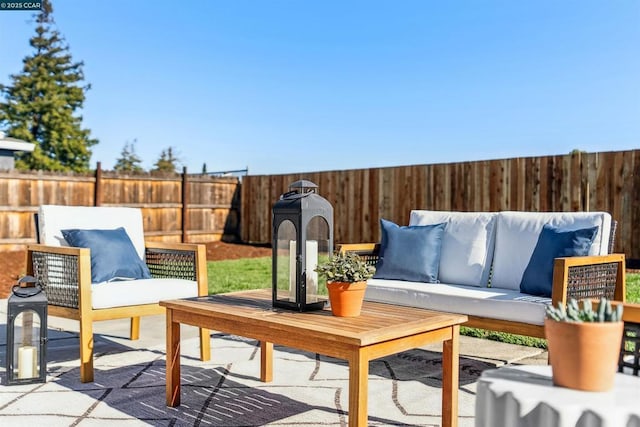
{"x": 175, "y": 207}
{"x": 607, "y": 181}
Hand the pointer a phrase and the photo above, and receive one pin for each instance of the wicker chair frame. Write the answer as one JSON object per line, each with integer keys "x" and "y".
{"x": 65, "y": 273}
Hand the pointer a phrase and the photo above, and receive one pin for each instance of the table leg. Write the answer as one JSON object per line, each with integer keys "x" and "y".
{"x": 266, "y": 361}
{"x": 450, "y": 375}
{"x": 358, "y": 389}
{"x": 173, "y": 360}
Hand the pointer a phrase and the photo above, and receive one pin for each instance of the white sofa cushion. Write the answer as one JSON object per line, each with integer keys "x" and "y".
{"x": 517, "y": 234}
{"x": 501, "y": 304}
{"x": 54, "y": 218}
{"x": 467, "y": 244}
{"x": 138, "y": 292}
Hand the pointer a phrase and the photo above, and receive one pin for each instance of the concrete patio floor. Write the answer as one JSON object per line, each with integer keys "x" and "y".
{"x": 63, "y": 340}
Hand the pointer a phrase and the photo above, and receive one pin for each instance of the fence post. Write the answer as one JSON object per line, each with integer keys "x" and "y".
{"x": 97, "y": 189}
{"x": 185, "y": 207}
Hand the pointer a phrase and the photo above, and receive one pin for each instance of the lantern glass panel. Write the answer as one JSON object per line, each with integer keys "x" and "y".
{"x": 286, "y": 261}
{"x": 318, "y": 251}
{"x": 26, "y": 345}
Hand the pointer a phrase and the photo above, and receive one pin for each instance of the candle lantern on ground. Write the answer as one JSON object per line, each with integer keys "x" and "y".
{"x": 302, "y": 236}
{"x": 26, "y": 333}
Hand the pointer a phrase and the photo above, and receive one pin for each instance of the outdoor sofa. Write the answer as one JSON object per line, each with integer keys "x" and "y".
{"x": 499, "y": 268}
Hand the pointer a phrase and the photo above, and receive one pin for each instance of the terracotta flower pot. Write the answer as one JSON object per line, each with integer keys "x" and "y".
{"x": 584, "y": 356}
{"x": 346, "y": 298}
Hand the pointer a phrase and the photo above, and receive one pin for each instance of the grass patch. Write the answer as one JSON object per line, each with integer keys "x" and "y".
{"x": 255, "y": 273}
{"x": 239, "y": 274}
{"x": 633, "y": 287}
{"x": 504, "y": 337}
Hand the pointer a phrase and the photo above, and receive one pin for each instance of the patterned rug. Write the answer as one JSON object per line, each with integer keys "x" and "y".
{"x": 307, "y": 390}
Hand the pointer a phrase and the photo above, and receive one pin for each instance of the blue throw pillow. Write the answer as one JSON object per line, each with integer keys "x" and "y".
{"x": 113, "y": 255}
{"x": 537, "y": 278}
{"x": 410, "y": 252}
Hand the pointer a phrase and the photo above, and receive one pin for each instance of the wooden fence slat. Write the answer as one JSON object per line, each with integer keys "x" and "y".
{"x": 607, "y": 181}
{"x": 160, "y": 199}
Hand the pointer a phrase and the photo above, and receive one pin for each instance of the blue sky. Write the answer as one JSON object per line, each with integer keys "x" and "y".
{"x": 287, "y": 86}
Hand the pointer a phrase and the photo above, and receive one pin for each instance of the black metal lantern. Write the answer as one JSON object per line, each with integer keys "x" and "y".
{"x": 302, "y": 237}
{"x": 26, "y": 333}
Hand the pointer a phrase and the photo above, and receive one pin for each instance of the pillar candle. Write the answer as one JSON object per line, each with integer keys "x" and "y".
{"x": 27, "y": 361}
{"x": 292, "y": 270}
{"x": 312, "y": 276}
{"x": 311, "y": 264}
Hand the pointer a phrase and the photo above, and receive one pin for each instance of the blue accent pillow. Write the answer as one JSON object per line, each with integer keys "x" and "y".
{"x": 113, "y": 255}
{"x": 537, "y": 278}
{"x": 409, "y": 252}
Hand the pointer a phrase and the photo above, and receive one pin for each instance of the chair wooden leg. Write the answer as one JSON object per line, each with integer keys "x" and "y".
{"x": 134, "y": 332}
{"x": 86, "y": 349}
{"x": 205, "y": 344}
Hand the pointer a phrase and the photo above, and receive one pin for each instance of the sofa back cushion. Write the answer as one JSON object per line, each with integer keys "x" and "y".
{"x": 517, "y": 235}
{"x": 52, "y": 219}
{"x": 467, "y": 244}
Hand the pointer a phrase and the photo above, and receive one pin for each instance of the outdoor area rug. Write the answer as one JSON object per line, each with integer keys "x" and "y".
{"x": 307, "y": 390}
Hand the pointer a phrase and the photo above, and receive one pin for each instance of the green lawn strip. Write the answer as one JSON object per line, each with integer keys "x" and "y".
{"x": 633, "y": 287}
{"x": 239, "y": 274}
{"x": 504, "y": 337}
{"x": 255, "y": 273}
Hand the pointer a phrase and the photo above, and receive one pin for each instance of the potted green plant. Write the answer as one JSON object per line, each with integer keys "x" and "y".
{"x": 584, "y": 343}
{"x": 346, "y": 274}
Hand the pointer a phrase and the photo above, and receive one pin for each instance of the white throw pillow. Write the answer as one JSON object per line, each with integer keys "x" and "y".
{"x": 467, "y": 244}
{"x": 517, "y": 234}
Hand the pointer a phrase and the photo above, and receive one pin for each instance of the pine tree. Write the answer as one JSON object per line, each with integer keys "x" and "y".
{"x": 42, "y": 101}
{"x": 128, "y": 161}
{"x": 167, "y": 162}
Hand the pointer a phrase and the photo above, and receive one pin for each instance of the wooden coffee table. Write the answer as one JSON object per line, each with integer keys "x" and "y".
{"x": 381, "y": 330}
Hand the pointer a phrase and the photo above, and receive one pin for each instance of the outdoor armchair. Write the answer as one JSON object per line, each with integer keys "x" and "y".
{"x": 110, "y": 272}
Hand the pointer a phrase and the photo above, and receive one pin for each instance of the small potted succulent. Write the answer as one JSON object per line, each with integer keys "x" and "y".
{"x": 584, "y": 343}
{"x": 346, "y": 274}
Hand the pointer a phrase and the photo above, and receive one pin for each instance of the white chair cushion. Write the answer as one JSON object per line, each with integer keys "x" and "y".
{"x": 501, "y": 304}
{"x": 467, "y": 244}
{"x": 138, "y": 292}
{"x": 517, "y": 234}
{"x": 53, "y": 218}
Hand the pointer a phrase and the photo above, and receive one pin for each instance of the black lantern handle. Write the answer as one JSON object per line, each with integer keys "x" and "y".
{"x": 25, "y": 289}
